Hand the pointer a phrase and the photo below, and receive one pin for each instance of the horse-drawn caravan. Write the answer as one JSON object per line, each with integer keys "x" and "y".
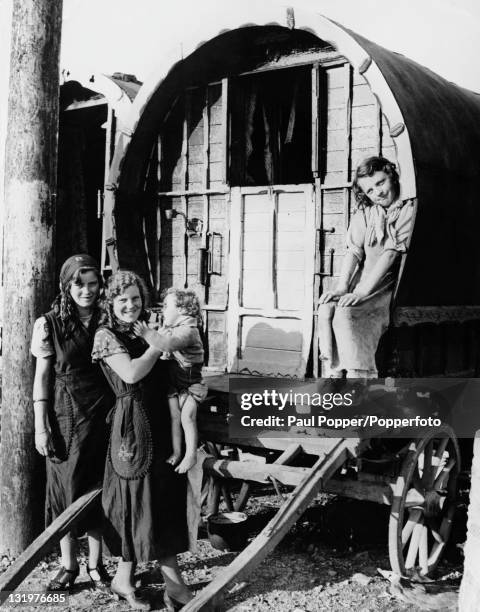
{"x": 236, "y": 182}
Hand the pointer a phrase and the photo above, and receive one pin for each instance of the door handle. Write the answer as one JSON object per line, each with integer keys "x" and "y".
{"x": 331, "y": 253}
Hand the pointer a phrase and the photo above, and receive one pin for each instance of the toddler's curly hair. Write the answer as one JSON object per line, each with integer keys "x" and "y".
{"x": 187, "y": 300}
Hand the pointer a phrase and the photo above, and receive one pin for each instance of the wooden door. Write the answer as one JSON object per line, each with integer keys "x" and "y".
{"x": 272, "y": 252}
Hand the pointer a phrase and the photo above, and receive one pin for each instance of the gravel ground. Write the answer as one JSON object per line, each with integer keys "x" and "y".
{"x": 328, "y": 561}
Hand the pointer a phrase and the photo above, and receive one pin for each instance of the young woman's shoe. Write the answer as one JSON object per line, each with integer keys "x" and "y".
{"x": 135, "y": 603}
{"x": 171, "y": 603}
{"x": 103, "y": 582}
{"x": 63, "y": 580}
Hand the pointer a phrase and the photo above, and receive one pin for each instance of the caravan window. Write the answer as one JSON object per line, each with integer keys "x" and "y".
{"x": 271, "y": 128}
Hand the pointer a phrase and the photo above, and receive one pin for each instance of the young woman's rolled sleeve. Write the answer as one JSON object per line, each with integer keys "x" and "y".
{"x": 42, "y": 344}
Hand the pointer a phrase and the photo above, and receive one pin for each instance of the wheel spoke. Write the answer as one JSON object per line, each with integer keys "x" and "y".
{"x": 445, "y": 527}
{"x": 423, "y": 550}
{"x": 414, "y": 516}
{"x": 413, "y": 547}
{"x": 442, "y": 478}
{"x": 436, "y": 535}
{"x": 417, "y": 479}
{"x": 414, "y": 498}
{"x": 437, "y": 550}
{"x": 427, "y": 476}
{"x": 441, "y": 447}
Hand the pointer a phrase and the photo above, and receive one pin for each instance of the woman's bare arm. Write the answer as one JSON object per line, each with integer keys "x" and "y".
{"x": 133, "y": 370}
{"x": 41, "y": 400}
{"x": 372, "y": 281}
{"x": 350, "y": 262}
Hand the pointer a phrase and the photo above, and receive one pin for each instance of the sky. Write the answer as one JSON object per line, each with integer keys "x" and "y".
{"x": 104, "y": 36}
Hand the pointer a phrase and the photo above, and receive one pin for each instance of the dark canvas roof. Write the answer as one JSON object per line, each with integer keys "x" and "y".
{"x": 443, "y": 119}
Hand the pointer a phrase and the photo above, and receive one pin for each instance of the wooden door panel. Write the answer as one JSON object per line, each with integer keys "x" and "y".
{"x": 271, "y": 286}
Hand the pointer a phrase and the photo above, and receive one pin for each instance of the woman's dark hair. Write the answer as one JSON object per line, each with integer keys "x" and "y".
{"x": 368, "y": 167}
{"x": 117, "y": 284}
{"x": 64, "y": 305}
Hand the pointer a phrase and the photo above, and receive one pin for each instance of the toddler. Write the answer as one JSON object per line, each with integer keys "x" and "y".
{"x": 180, "y": 339}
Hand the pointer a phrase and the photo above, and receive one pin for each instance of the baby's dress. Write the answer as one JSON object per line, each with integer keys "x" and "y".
{"x": 144, "y": 500}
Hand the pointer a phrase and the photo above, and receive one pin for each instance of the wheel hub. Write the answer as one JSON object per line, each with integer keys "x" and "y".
{"x": 434, "y": 501}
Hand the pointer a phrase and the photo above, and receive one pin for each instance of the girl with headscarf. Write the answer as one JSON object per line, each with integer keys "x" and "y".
{"x": 71, "y": 398}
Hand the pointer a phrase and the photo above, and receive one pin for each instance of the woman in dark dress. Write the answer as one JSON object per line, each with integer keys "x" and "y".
{"x": 144, "y": 500}
{"x": 70, "y": 428}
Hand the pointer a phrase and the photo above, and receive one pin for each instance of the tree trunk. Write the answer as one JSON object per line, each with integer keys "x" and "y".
{"x": 28, "y": 265}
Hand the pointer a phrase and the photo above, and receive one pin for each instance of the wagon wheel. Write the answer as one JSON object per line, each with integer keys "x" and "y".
{"x": 424, "y": 501}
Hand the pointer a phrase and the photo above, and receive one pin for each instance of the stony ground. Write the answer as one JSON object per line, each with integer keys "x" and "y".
{"x": 328, "y": 561}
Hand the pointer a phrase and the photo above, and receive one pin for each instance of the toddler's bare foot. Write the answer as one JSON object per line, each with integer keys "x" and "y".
{"x": 187, "y": 462}
{"x": 173, "y": 459}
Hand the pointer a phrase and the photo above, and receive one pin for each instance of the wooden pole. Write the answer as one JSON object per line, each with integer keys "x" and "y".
{"x": 28, "y": 264}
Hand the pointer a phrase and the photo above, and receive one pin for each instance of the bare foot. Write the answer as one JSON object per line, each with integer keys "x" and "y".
{"x": 187, "y": 462}
{"x": 173, "y": 459}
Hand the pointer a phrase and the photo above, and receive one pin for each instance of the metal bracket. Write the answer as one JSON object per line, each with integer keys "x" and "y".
{"x": 330, "y": 272}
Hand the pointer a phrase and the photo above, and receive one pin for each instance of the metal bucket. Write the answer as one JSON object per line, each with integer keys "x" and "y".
{"x": 227, "y": 530}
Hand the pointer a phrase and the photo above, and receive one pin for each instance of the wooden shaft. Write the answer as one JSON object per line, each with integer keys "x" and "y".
{"x": 271, "y": 535}
{"x": 28, "y": 261}
{"x": 256, "y": 472}
{"x": 30, "y": 557}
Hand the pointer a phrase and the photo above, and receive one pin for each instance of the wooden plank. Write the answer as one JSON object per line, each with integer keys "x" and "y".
{"x": 210, "y": 597}
{"x": 315, "y": 122}
{"x": 31, "y": 556}
{"x": 362, "y": 95}
{"x": 378, "y": 126}
{"x": 335, "y": 140}
{"x": 185, "y": 178}
{"x": 158, "y": 221}
{"x": 363, "y": 116}
{"x": 380, "y": 493}
{"x": 288, "y": 455}
{"x": 277, "y": 334}
{"x": 224, "y": 130}
{"x": 365, "y": 137}
{"x": 270, "y": 361}
{"x": 348, "y": 121}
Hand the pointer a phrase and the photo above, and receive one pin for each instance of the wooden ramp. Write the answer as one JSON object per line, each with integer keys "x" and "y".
{"x": 210, "y": 599}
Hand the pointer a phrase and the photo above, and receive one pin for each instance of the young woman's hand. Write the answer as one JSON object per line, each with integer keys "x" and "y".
{"x": 328, "y": 296}
{"x": 43, "y": 443}
{"x": 141, "y": 329}
{"x": 349, "y": 299}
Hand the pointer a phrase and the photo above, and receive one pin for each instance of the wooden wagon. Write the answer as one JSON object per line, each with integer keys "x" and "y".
{"x": 234, "y": 179}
